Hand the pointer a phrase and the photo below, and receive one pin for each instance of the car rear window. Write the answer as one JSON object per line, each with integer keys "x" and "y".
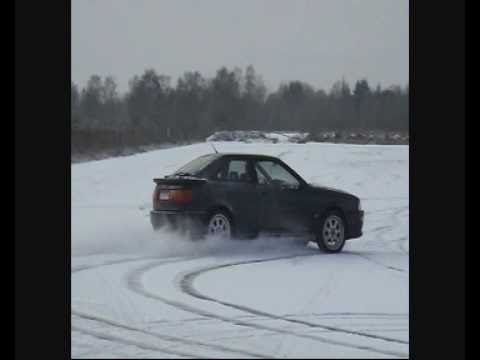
{"x": 196, "y": 165}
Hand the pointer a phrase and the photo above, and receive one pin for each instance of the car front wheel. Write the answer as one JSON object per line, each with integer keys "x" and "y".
{"x": 331, "y": 235}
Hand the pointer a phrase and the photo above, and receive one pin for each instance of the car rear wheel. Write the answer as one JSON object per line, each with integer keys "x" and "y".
{"x": 331, "y": 235}
{"x": 220, "y": 225}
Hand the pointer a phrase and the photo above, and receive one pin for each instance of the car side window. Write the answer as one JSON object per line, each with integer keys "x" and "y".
{"x": 234, "y": 171}
{"x": 261, "y": 178}
{"x": 278, "y": 174}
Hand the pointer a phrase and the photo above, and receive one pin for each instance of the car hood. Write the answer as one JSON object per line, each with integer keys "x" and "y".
{"x": 329, "y": 189}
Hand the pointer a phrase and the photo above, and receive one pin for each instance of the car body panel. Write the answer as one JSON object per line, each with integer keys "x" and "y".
{"x": 255, "y": 206}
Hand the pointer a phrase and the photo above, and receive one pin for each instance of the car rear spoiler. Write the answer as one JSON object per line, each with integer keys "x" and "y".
{"x": 179, "y": 180}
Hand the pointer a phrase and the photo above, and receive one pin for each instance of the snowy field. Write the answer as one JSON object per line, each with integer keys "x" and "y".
{"x": 136, "y": 293}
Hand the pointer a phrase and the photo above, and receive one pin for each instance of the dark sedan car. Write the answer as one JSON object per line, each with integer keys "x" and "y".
{"x": 238, "y": 195}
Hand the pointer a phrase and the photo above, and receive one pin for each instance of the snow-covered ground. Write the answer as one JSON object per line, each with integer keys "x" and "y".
{"x": 136, "y": 293}
{"x": 255, "y": 136}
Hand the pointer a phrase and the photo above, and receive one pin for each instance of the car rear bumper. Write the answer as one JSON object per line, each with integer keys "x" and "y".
{"x": 355, "y": 224}
{"x": 178, "y": 220}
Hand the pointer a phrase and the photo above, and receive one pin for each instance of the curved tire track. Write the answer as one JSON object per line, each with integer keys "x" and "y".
{"x": 135, "y": 284}
{"x": 169, "y": 338}
{"x": 186, "y": 284}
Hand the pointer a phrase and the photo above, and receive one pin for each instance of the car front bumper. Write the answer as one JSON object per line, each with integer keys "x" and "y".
{"x": 355, "y": 224}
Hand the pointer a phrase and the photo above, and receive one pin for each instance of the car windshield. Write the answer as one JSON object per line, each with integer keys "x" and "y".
{"x": 195, "y": 166}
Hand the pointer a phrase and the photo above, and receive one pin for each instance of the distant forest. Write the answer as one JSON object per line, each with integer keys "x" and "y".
{"x": 153, "y": 111}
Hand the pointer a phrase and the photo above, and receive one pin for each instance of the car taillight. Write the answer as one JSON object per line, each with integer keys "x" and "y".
{"x": 179, "y": 196}
{"x": 155, "y": 195}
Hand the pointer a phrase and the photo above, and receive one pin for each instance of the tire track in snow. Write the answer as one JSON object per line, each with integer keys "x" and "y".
{"x": 164, "y": 337}
{"x": 138, "y": 344}
{"x": 331, "y": 316}
{"x": 380, "y": 232}
{"x": 135, "y": 284}
{"x": 114, "y": 338}
{"x": 169, "y": 338}
{"x": 388, "y": 267}
{"x": 396, "y": 223}
{"x": 402, "y": 240}
{"x": 186, "y": 284}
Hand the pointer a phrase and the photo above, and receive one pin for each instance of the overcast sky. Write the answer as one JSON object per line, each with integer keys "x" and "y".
{"x": 317, "y": 41}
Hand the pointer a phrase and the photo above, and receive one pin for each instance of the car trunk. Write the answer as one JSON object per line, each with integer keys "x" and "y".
{"x": 176, "y": 192}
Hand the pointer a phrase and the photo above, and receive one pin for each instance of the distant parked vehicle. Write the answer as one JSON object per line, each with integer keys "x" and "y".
{"x": 239, "y": 195}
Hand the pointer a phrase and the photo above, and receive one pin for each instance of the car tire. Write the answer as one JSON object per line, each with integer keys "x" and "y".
{"x": 331, "y": 234}
{"x": 220, "y": 224}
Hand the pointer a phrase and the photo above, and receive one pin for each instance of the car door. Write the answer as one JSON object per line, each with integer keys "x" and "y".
{"x": 288, "y": 200}
{"x": 235, "y": 187}
{"x": 268, "y": 206}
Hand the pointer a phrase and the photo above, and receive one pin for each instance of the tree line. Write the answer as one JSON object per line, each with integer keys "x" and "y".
{"x": 153, "y": 111}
